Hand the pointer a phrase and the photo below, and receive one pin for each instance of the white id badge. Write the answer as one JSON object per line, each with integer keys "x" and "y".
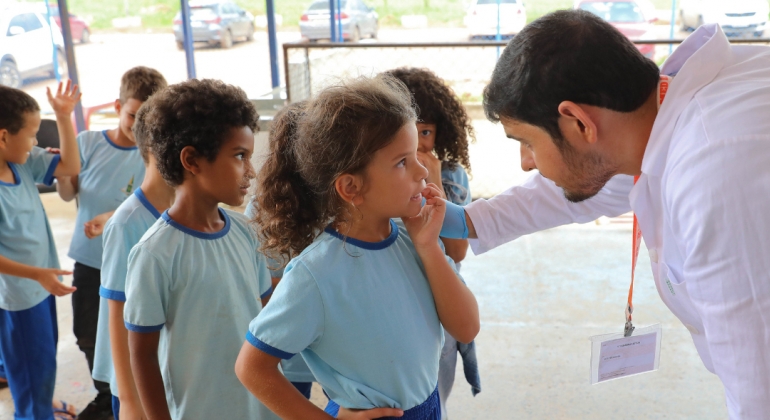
{"x": 614, "y": 356}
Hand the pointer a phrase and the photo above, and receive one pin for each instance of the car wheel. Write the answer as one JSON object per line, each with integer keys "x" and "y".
{"x": 9, "y": 74}
{"x": 356, "y": 35}
{"x": 85, "y": 37}
{"x": 226, "y": 41}
{"x": 180, "y": 45}
{"x": 250, "y": 34}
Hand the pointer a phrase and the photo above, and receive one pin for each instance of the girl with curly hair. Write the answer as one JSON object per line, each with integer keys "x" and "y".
{"x": 363, "y": 299}
{"x": 444, "y": 130}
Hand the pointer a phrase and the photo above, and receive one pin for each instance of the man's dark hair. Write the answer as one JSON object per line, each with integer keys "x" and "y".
{"x": 567, "y": 55}
{"x": 197, "y": 113}
{"x": 14, "y": 103}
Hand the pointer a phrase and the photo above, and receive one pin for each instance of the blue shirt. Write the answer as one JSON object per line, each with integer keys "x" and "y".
{"x": 124, "y": 230}
{"x": 363, "y": 317}
{"x": 456, "y": 186}
{"x": 200, "y": 290}
{"x": 294, "y": 369}
{"x": 25, "y": 235}
{"x": 109, "y": 174}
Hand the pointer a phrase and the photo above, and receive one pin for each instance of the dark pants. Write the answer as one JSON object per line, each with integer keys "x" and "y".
{"x": 85, "y": 317}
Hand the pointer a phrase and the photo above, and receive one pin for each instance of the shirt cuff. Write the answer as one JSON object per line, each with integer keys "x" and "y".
{"x": 112, "y": 294}
{"x": 48, "y": 179}
{"x": 267, "y": 348}
{"x": 142, "y": 328}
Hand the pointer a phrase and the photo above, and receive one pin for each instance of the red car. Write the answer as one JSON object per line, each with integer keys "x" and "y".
{"x": 633, "y": 18}
{"x": 80, "y": 30}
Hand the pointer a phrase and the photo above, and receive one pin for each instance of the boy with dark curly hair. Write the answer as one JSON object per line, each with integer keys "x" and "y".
{"x": 195, "y": 279}
{"x": 112, "y": 168}
{"x": 443, "y": 131}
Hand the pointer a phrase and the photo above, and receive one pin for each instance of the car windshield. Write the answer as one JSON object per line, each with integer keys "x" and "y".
{"x": 324, "y": 5}
{"x": 203, "y": 12}
{"x": 495, "y": 2}
{"x": 615, "y": 11}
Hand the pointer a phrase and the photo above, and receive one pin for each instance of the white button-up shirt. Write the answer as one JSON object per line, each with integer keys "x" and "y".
{"x": 703, "y": 204}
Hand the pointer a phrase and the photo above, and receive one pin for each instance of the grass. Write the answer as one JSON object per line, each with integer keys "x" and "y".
{"x": 158, "y": 14}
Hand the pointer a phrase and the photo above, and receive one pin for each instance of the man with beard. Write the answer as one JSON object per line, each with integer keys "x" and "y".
{"x": 591, "y": 114}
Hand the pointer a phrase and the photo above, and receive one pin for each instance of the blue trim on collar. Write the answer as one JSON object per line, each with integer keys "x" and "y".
{"x": 374, "y": 246}
{"x": 48, "y": 179}
{"x": 146, "y": 203}
{"x": 267, "y": 293}
{"x": 142, "y": 328}
{"x": 106, "y": 137}
{"x": 112, "y": 294}
{"x": 17, "y": 179}
{"x": 267, "y": 348}
{"x": 196, "y": 233}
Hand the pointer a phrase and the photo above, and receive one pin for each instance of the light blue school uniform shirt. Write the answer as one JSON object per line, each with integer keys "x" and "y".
{"x": 456, "y": 185}
{"x": 294, "y": 369}
{"x": 109, "y": 174}
{"x": 25, "y": 235}
{"x": 200, "y": 290}
{"x": 124, "y": 230}
{"x": 363, "y": 317}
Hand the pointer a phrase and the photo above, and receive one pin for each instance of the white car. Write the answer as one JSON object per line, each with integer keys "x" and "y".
{"x": 482, "y": 18}
{"x": 738, "y": 18}
{"x": 26, "y": 46}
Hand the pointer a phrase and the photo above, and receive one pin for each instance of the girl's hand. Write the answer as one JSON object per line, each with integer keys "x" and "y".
{"x": 425, "y": 227}
{"x": 433, "y": 165}
{"x": 375, "y": 413}
{"x": 64, "y": 102}
{"x": 49, "y": 279}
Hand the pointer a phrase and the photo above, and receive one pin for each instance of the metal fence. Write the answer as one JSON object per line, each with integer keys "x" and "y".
{"x": 465, "y": 66}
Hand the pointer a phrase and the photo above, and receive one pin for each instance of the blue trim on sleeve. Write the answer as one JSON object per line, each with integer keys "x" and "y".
{"x": 112, "y": 294}
{"x": 267, "y": 348}
{"x": 16, "y": 177}
{"x": 146, "y": 203}
{"x": 267, "y": 293}
{"x": 196, "y": 233}
{"x": 375, "y": 246}
{"x": 106, "y": 137}
{"x": 142, "y": 328}
{"x": 48, "y": 180}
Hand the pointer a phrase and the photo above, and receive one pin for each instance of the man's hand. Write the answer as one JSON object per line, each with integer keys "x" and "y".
{"x": 63, "y": 103}
{"x": 48, "y": 278}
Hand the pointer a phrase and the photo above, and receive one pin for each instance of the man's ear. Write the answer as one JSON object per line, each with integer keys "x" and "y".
{"x": 189, "y": 158}
{"x": 349, "y": 187}
{"x": 576, "y": 124}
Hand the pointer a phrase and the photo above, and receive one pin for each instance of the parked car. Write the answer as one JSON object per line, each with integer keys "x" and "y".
{"x": 27, "y": 44}
{"x": 80, "y": 30}
{"x": 738, "y": 18}
{"x": 216, "y": 23}
{"x": 481, "y": 18}
{"x": 633, "y": 18}
{"x": 358, "y": 20}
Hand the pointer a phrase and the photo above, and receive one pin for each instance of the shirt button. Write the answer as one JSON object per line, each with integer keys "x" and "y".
{"x": 691, "y": 329}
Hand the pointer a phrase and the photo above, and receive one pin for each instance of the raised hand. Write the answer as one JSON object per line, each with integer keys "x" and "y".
{"x": 425, "y": 227}
{"x": 374, "y": 413}
{"x": 49, "y": 279}
{"x": 63, "y": 103}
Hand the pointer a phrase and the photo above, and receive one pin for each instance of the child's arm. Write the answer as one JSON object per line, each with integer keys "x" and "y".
{"x": 258, "y": 372}
{"x": 63, "y": 104}
{"x": 47, "y": 277}
{"x": 456, "y": 248}
{"x": 146, "y": 370}
{"x": 130, "y": 405}
{"x": 456, "y": 306}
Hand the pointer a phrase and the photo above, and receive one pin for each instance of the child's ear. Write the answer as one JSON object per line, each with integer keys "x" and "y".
{"x": 189, "y": 158}
{"x": 118, "y": 106}
{"x": 349, "y": 188}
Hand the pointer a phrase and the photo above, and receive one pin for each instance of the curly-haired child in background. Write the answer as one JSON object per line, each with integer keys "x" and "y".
{"x": 444, "y": 131}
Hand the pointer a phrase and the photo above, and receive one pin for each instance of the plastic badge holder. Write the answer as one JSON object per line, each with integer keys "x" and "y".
{"x": 614, "y": 356}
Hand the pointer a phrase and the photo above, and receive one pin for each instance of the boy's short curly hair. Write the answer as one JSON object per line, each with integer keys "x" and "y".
{"x": 140, "y": 132}
{"x": 139, "y": 83}
{"x": 437, "y": 104}
{"x": 197, "y": 113}
{"x": 14, "y": 103}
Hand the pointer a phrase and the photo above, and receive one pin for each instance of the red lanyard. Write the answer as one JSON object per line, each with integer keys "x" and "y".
{"x": 637, "y": 238}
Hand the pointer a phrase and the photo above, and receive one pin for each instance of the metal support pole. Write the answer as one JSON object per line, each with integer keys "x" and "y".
{"x": 72, "y": 69}
{"x": 55, "y": 54}
{"x": 332, "y": 22}
{"x": 671, "y": 31}
{"x": 498, "y": 38}
{"x": 273, "y": 44}
{"x": 340, "y": 38}
{"x": 189, "y": 52}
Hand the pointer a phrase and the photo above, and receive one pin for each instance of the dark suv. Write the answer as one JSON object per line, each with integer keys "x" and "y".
{"x": 216, "y": 23}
